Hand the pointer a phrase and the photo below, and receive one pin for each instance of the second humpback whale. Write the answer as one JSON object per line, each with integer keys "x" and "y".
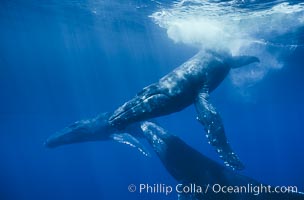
{"x": 193, "y": 169}
{"x": 190, "y": 83}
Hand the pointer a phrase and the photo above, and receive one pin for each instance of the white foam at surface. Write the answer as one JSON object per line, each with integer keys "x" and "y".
{"x": 223, "y": 26}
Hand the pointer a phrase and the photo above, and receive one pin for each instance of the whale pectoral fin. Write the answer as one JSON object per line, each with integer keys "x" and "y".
{"x": 215, "y": 133}
{"x": 128, "y": 139}
{"x": 239, "y": 61}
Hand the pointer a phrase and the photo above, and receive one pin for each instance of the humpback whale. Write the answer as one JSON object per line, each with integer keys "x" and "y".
{"x": 190, "y": 83}
{"x": 97, "y": 129}
{"x": 191, "y": 168}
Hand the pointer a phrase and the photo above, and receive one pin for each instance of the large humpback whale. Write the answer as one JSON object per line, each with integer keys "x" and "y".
{"x": 192, "y": 169}
{"x": 189, "y": 83}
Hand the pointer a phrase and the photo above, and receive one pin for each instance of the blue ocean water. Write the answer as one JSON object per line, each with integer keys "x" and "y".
{"x": 61, "y": 61}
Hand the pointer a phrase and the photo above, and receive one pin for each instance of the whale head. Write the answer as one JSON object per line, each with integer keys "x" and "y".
{"x": 156, "y": 136}
{"x": 182, "y": 161}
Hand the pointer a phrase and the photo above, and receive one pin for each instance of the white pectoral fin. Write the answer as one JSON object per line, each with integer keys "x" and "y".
{"x": 128, "y": 139}
{"x": 215, "y": 133}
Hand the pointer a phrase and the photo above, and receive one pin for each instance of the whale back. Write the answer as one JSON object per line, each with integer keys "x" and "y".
{"x": 189, "y": 166}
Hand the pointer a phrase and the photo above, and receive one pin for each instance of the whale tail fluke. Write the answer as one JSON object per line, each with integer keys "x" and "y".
{"x": 96, "y": 129}
{"x": 82, "y": 131}
{"x": 239, "y": 61}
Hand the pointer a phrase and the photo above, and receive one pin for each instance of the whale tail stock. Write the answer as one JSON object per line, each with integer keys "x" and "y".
{"x": 239, "y": 61}
{"x": 96, "y": 129}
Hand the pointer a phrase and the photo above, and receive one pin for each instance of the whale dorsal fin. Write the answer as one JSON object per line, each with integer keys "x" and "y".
{"x": 239, "y": 61}
{"x": 215, "y": 133}
{"x": 128, "y": 139}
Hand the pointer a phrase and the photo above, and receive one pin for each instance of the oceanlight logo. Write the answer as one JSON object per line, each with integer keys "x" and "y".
{"x": 252, "y": 189}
